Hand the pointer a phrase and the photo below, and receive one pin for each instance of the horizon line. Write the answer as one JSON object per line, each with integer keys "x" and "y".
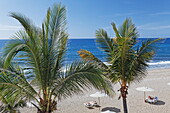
{"x": 84, "y": 38}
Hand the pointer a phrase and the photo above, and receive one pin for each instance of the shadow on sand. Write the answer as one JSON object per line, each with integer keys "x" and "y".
{"x": 111, "y": 109}
{"x": 159, "y": 102}
{"x": 98, "y": 106}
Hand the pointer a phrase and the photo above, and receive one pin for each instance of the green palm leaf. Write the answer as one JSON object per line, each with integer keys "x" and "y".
{"x": 79, "y": 76}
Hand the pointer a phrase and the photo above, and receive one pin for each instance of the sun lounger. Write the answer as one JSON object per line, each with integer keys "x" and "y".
{"x": 151, "y": 100}
{"x": 88, "y": 105}
{"x": 91, "y": 104}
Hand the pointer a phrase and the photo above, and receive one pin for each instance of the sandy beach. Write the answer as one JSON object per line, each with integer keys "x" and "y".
{"x": 156, "y": 79}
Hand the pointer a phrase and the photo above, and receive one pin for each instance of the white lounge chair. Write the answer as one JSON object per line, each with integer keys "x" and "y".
{"x": 88, "y": 105}
{"x": 151, "y": 100}
{"x": 91, "y": 104}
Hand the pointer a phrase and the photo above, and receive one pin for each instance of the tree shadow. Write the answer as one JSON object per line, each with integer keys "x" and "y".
{"x": 97, "y": 106}
{"x": 90, "y": 107}
{"x": 159, "y": 102}
{"x": 111, "y": 109}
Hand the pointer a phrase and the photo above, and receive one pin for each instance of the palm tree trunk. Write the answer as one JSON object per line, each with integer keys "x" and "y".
{"x": 123, "y": 90}
{"x": 125, "y": 105}
{"x": 13, "y": 111}
{"x": 51, "y": 105}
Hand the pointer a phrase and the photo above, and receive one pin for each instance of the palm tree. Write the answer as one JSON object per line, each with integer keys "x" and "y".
{"x": 10, "y": 104}
{"x": 127, "y": 59}
{"x": 40, "y": 52}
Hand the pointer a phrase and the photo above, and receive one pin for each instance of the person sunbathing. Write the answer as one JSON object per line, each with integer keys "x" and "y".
{"x": 150, "y": 97}
{"x": 88, "y": 105}
{"x": 151, "y": 100}
{"x": 94, "y": 103}
{"x": 91, "y": 104}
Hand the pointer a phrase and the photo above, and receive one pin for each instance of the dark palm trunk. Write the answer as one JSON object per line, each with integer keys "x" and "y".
{"x": 125, "y": 105}
{"x": 43, "y": 111}
{"x": 123, "y": 90}
{"x": 52, "y": 108}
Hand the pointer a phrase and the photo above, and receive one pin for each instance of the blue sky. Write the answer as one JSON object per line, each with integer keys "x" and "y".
{"x": 152, "y": 17}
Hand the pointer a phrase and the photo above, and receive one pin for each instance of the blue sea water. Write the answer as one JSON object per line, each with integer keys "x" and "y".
{"x": 160, "y": 60}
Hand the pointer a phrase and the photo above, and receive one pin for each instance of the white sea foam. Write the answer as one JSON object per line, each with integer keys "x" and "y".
{"x": 106, "y": 63}
{"x": 151, "y": 63}
{"x": 159, "y": 63}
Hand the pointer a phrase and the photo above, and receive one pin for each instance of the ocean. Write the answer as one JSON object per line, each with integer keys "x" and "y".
{"x": 160, "y": 60}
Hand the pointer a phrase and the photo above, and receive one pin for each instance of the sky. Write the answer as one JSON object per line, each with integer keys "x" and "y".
{"x": 84, "y": 17}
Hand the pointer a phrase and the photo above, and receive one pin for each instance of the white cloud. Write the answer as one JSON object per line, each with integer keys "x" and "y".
{"x": 153, "y": 27}
{"x": 6, "y": 31}
{"x": 160, "y": 13}
{"x": 154, "y": 30}
{"x": 128, "y": 14}
{"x": 9, "y": 28}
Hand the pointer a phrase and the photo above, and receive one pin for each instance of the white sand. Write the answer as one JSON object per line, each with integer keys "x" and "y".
{"x": 156, "y": 79}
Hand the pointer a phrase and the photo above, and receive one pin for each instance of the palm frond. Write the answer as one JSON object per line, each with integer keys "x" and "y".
{"x": 104, "y": 42}
{"x": 78, "y": 77}
{"x": 115, "y": 30}
{"x": 88, "y": 56}
{"x": 25, "y": 22}
{"x": 143, "y": 55}
{"x": 15, "y": 86}
{"x": 128, "y": 29}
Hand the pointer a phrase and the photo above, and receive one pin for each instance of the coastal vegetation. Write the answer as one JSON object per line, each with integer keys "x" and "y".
{"x": 34, "y": 69}
{"x": 126, "y": 59}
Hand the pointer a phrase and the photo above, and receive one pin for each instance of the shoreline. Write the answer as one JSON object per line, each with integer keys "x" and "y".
{"x": 156, "y": 79}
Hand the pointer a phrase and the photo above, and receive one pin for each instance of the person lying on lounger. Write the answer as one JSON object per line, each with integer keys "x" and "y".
{"x": 151, "y": 100}
{"x": 91, "y": 104}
